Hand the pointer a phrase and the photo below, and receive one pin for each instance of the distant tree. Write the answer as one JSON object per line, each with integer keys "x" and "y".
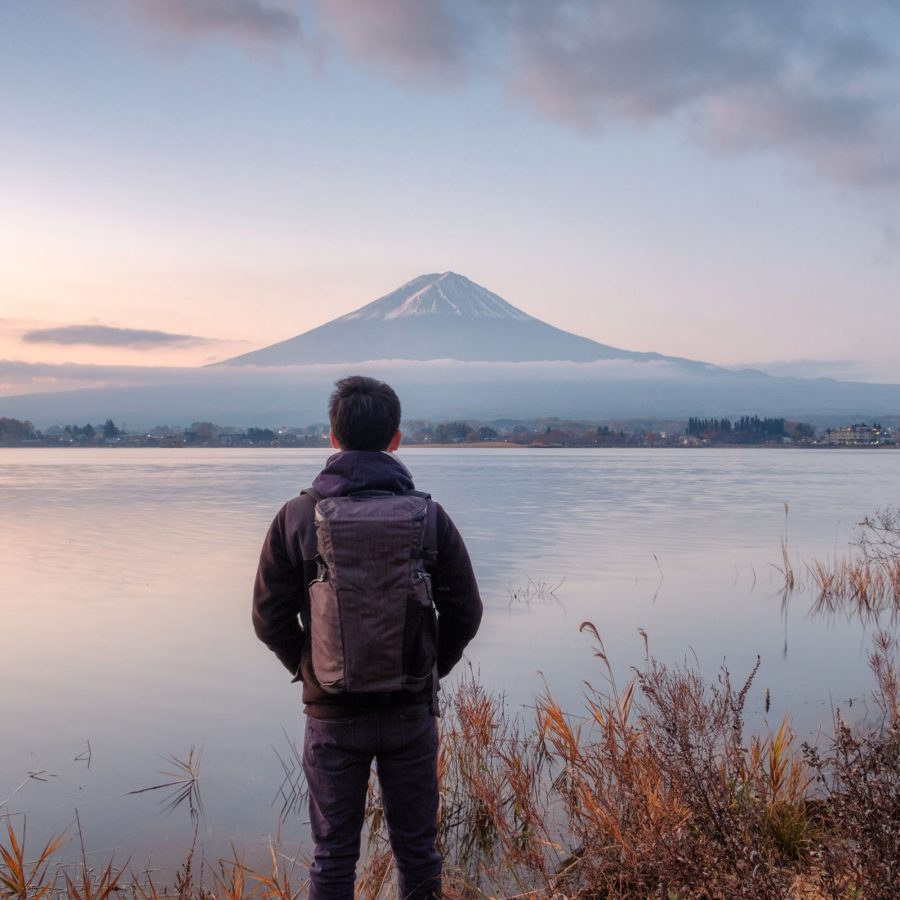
{"x": 450, "y": 432}
{"x": 746, "y": 429}
{"x": 260, "y": 435}
{"x": 202, "y": 432}
{"x": 486, "y": 433}
{"x": 14, "y": 430}
{"x": 109, "y": 429}
{"x": 800, "y": 430}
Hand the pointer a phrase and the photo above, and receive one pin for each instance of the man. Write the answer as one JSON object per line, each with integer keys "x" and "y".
{"x": 345, "y": 731}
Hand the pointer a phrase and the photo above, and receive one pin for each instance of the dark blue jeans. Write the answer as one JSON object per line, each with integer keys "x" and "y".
{"x": 337, "y": 759}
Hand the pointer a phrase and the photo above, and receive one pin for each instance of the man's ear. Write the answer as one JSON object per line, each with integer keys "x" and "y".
{"x": 334, "y": 441}
{"x": 395, "y": 441}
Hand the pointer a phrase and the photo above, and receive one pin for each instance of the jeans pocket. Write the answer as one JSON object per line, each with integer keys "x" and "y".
{"x": 326, "y": 741}
{"x": 417, "y": 723}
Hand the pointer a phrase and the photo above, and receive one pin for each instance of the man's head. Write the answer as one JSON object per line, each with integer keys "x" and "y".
{"x": 364, "y": 414}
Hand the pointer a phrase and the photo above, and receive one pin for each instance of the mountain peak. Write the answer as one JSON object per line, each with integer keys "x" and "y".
{"x": 444, "y": 294}
{"x": 438, "y": 316}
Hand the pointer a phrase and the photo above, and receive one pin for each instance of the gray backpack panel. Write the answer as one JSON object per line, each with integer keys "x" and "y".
{"x": 372, "y": 622}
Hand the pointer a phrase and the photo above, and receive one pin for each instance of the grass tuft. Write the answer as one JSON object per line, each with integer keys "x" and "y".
{"x": 183, "y": 786}
{"x": 20, "y": 877}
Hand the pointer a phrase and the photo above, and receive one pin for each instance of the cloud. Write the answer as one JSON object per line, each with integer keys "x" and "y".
{"x": 408, "y": 39}
{"x": 20, "y": 378}
{"x": 838, "y": 369}
{"x": 808, "y": 78}
{"x": 244, "y": 20}
{"x": 815, "y": 80}
{"x": 106, "y": 336}
{"x": 299, "y": 395}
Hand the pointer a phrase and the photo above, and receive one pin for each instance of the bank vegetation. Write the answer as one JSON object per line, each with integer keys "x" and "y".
{"x": 652, "y": 788}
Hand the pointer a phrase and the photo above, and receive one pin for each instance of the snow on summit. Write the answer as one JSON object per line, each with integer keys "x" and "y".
{"x": 448, "y": 294}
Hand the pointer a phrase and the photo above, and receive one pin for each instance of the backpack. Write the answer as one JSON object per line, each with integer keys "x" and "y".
{"x": 372, "y": 622}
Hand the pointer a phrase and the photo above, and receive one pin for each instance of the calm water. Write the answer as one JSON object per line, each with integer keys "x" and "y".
{"x": 125, "y": 580}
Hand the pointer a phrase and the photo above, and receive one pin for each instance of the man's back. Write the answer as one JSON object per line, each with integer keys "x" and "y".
{"x": 346, "y": 730}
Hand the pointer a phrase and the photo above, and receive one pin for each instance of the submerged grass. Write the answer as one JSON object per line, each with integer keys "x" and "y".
{"x": 864, "y": 583}
{"x": 183, "y": 786}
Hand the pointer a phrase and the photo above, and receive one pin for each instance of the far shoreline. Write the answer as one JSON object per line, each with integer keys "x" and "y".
{"x": 474, "y": 445}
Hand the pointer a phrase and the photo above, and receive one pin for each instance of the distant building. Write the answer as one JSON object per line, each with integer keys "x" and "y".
{"x": 856, "y": 435}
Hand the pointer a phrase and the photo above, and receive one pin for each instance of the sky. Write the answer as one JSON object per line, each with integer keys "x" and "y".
{"x": 186, "y": 180}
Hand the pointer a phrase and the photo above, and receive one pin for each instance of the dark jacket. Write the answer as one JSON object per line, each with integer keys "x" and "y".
{"x": 287, "y": 565}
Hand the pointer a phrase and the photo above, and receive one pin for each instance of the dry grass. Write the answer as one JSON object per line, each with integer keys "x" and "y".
{"x": 20, "y": 877}
{"x": 867, "y": 588}
{"x": 787, "y": 567}
{"x": 651, "y": 789}
{"x": 864, "y": 583}
{"x": 654, "y": 792}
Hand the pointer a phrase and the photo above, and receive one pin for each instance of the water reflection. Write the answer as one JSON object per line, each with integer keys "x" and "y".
{"x": 125, "y": 580}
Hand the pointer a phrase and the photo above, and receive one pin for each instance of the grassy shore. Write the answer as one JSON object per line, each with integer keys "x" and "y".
{"x": 651, "y": 789}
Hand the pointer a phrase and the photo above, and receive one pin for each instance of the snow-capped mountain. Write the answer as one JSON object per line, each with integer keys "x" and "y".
{"x": 448, "y": 294}
{"x": 439, "y": 316}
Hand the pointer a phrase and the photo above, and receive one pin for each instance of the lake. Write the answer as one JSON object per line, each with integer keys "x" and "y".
{"x": 125, "y": 584}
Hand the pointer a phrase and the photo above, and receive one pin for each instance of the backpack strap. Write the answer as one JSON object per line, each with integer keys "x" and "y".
{"x": 429, "y": 558}
{"x": 315, "y": 496}
{"x": 429, "y": 535}
{"x": 430, "y": 538}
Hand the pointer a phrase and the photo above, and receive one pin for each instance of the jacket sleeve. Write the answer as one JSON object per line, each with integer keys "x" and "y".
{"x": 277, "y": 595}
{"x": 456, "y": 596}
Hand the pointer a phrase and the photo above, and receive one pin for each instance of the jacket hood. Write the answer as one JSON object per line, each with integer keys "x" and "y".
{"x": 349, "y": 471}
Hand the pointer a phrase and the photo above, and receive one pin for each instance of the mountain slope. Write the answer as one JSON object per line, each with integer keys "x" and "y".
{"x": 439, "y": 316}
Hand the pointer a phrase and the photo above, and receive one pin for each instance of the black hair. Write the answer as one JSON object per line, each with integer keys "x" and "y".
{"x": 364, "y": 413}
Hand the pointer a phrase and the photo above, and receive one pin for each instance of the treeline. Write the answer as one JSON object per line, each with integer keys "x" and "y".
{"x": 13, "y": 431}
{"x": 744, "y": 425}
{"x": 452, "y": 433}
{"x": 108, "y": 430}
{"x": 748, "y": 429}
{"x": 551, "y": 432}
{"x": 541, "y": 433}
{"x": 207, "y": 434}
{"x": 16, "y": 431}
